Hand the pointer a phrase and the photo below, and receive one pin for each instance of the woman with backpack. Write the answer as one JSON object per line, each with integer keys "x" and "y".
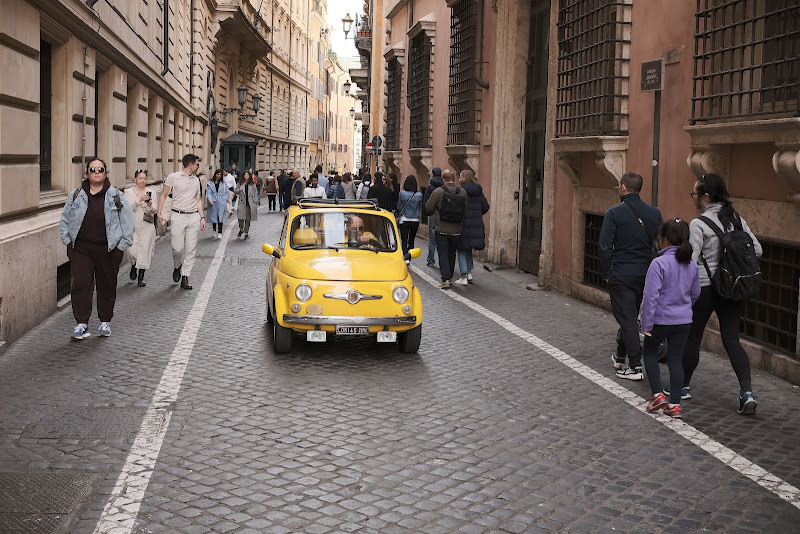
{"x": 671, "y": 287}
{"x": 710, "y": 195}
{"x": 473, "y": 231}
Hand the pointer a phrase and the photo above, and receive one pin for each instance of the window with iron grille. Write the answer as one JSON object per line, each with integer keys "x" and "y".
{"x": 394, "y": 86}
{"x": 771, "y": 318}
{"x": 420, "y": 91}
{"x": 463, "y": 118}
{"x": 593, "y": 57}
{"x": 45, "y": 116}
{"x": 747, "y": 59}
{"x": 63, "y": 281}
{"x": 592, "y": 274}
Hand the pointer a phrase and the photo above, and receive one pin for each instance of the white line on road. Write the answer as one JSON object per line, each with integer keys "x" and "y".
{"x": 761, "y": 476}
{"x": 123, "y": 505}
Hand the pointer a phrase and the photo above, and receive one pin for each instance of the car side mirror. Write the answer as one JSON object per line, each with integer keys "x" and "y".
{"x": 272, "y": 251}
{"x": 413, "y": 253}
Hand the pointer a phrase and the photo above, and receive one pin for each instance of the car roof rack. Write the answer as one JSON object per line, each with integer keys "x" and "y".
{"x": 371, "y": 203}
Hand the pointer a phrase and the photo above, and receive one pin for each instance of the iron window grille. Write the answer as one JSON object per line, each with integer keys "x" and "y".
{"x": 593, "y": 61}
{"x": 45, "y": 116}
{"x": 771, "y": 318}
{"x": 420, "y": 91}
{"x": 746, "y": 59}
{"x": 63, "y": 280}
{"x": 394, "y": 85}
{"x": 463, "y": 118}
{"x": 592, "y": 275}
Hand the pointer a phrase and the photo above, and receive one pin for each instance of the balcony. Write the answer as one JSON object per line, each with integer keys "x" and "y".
{"x": 241, "y": 22}
{"x": 364, "y": 41}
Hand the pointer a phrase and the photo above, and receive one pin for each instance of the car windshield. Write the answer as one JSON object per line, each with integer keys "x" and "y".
{"x": 341, "y": 229}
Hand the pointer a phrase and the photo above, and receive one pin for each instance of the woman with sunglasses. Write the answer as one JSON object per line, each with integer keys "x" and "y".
{"x": 144, "y": 233}
{"x": 97, "y": 226}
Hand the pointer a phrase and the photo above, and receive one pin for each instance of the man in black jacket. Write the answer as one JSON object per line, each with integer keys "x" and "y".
{"x": 436, "y": 181}
{"x": 626, "y": 243}
{"x": 284, "y": 189}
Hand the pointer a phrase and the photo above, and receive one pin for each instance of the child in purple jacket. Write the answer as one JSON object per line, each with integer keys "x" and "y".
{"x": 671, "y": 287}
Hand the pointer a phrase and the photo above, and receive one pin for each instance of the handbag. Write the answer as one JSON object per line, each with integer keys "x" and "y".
{"x": 148, "y": 218}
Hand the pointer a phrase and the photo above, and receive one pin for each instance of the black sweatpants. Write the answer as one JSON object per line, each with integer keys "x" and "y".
{"x": 92, "y": 264}
{"x": 408, "y": 232}
{"x": 729, "y": 314}
{"x": 626, "y": 299}
{"x": 447, "y": 246}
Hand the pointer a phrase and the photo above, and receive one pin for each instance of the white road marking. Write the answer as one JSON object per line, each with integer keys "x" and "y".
{"x": 757, "y": 474}
{"x": 120, "y": 512}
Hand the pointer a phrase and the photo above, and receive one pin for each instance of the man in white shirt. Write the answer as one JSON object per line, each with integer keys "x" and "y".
{"x": 230, "y": 183}
{"x": 187, "y": 217}
{"x": 314, "y": 190}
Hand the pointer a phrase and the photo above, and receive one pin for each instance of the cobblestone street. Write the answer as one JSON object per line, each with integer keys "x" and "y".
{"x": 508, "y": 420}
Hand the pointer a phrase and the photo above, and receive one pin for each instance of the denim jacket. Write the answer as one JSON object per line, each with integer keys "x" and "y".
{"x": 119, "y": 223}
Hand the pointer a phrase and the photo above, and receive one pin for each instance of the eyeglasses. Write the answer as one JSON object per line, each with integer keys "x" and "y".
{"x": 357, "y": 227}
{"x": 693, "y": 194}
{"x": 100, "y": 170}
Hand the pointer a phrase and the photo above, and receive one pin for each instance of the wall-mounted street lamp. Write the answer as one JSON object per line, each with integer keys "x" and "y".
{"x": 347, "y": 85}
{"x": 241, "y": 93}
{"x": 347, "y": 25}
{"x": 352, "y": 112}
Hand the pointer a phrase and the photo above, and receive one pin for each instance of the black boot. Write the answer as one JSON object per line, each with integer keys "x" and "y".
{"x": 141, "y": 278}
{"x": 176, "y": 273}
{"x": 185, "y": 283}
{"x": 133, "y": 271}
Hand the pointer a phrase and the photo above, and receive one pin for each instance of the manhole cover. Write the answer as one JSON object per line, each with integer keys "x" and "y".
{"x": 60, "y": 422}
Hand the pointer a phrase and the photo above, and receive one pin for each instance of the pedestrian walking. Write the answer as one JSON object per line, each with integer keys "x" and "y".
{"x": 436, "y": 181}
{"x": 381, "y": 192}
{"x": 248, "y": 204}
{"x": 217, "y": 194}
{"x": 348, "y": 186}
{"x": 230, "y": 183}
{"x": 237, "y": 173}
{"x": 297, "y": 187}
{"x": 363, "y": 188}
{"x": 140, "y": 197}
{"x": 323, "y": 180}
{"x": 187, "y": 217}
{"x": 314, "y": 190}
{"x": 473, "y": 231}
{"x": 711, "y": 198}
{"x": 284, "y": 189}
{"x": 271, "y": 188}
{"x": 259, "y": 186}
{"x": 335, "y": 188}
{"x": 449, "y": 204}
{"x": 627, "y": 239}
{"x": 409, "y": 208}
{"x": 97, "y": 227}
{"x": 671, "y": 287}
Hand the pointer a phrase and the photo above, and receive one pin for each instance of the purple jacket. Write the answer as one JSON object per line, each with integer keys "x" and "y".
{"x": 670, "y": 289}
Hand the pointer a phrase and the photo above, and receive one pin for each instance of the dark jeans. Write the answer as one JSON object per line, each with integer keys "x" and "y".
{"x": 217, "y": 227}
{"x": 92, "y": 264}
{"x": 626, "y": 299}
{"x": 675, "y": 335}
{"x": 447, "y": 246}
{"x": 271, "y": 199}
{"x": 729, "y": 314}
{"x": 408, "y": 232}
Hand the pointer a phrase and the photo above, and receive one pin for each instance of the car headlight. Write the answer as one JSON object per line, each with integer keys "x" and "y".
{"x": 303, "y": 292}
{"x": 400, "y": 294}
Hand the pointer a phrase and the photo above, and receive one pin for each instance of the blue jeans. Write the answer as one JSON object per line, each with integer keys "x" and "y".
{"x": 465, "y": 261}
{"x": 431, "y": 240}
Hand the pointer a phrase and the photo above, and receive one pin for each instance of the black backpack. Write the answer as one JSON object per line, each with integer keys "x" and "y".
{"x": 454, "y": 205}
{"x": 738, "y": 277}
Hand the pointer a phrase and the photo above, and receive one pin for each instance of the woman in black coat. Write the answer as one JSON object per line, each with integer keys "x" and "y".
{"x": 473, "y": 232}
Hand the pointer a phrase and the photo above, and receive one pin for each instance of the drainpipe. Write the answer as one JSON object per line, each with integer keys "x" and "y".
{"x": 165, "y": 70}
{"x": 191, "y": 53}
{"x": 479, "y": 48}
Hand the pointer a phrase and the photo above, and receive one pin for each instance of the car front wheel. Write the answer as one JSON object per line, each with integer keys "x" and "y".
{"x": 281, "y": 338}
{"x": 409, "y": 341}
{"x": 270, "y": 320}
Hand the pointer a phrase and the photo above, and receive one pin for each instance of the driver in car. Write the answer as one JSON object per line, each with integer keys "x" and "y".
{"x": 355, "y": 231}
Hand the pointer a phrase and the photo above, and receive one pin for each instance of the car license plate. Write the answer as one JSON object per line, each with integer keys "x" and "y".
{"x": 352, "y": 330}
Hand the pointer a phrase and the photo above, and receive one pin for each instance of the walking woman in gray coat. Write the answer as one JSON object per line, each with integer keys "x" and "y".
{"x": 247, "y": 209}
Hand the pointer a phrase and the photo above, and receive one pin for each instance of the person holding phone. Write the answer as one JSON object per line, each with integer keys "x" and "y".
{"x": 140, "y": 253}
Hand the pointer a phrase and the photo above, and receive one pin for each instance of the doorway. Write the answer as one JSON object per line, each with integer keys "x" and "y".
{"x": 534, "y": 140}
{"x": 240, "y": 150}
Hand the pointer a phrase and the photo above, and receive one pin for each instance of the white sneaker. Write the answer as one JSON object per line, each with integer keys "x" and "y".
{"x": 81, "y": 331}
{"x": 469, "y": 277}
{"x": 461, "y": 281}
{"x": 219, "y": 236}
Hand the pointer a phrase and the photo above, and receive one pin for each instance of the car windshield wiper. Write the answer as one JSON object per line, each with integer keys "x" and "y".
{"x": 314, "y": 246}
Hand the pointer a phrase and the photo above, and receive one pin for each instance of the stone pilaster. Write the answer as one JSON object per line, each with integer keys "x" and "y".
{"x": 112, "y": 122}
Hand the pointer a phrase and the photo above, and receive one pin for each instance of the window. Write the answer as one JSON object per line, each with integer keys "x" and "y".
{"x": 420, "y": 90}
{"x": 343, "y": 229}
{"x": 747, "y": 59}
{"x": 394, "y": 110}
{"x": 45, "y": 116}
{"x": 463, "y": 119}
{"x": 591, "y": 252}
{"x": 63, "y": 280}
{"x": 593, "y": 57}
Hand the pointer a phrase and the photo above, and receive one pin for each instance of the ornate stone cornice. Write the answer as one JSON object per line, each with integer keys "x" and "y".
{"x": 609, "y": 151}
{"x": 426, "y": 24}
{"x": 393, "y": 159}
{"x": 463, "y": 157}
{"x": 421, "y": 160}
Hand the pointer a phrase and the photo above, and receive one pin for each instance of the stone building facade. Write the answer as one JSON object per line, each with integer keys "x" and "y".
{"x": 138, "y": 84}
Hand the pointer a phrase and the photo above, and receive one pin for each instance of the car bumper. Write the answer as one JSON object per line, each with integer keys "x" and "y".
{"x": 344, "y": 320}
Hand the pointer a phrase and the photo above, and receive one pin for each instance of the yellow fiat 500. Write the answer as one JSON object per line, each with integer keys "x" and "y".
{"x": 339, "y": 270}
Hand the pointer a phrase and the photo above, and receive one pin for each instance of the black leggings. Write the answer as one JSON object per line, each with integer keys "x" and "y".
{"x": 408, "y": 232}
{"x": 675, "y": 336}
{"x": 217, "y": 227}
{"x": 271, "y": 198}
{"x": 729, "y": 314}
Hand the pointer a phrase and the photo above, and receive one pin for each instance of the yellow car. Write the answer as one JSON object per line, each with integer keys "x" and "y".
{"x": 339, "y": 270}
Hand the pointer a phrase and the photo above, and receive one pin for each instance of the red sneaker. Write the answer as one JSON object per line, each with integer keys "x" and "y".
{"x": 674, "y": 411}
{"x": 655, "y": 403}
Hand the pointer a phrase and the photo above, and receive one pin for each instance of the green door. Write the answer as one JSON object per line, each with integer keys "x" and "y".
{"x": 533, "y": 140}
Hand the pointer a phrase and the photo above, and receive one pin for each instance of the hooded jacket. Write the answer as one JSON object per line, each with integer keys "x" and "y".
{"x": 473, "y": 231}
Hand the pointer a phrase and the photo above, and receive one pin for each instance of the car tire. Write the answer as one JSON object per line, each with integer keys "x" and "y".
{"x": 270, "y": 319}
{"x": 409, "y": 341}
{"x": 281, "y": 338}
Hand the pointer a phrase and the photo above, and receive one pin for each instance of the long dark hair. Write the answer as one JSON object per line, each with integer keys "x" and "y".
{"x": 410, "y": 183}
{"x": 213, "y": 176}
{"x": 714, "y": 186}
{"x": 676, "y": 232}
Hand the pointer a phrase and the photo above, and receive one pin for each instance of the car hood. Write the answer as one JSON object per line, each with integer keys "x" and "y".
{"x": 363, "y": 265}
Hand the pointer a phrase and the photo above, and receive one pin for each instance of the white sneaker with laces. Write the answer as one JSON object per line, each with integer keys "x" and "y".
{"x": 81, "y": 331}
{"x": 469, "y": 277}
{"x": 104, "y": 330}
{"x": 461, "y": 281}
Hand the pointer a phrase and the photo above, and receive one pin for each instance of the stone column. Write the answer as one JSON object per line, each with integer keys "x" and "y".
{"x": 155, "y": 114}
{"x": 112, "y": 122}
{"x": 137, "y": 129}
